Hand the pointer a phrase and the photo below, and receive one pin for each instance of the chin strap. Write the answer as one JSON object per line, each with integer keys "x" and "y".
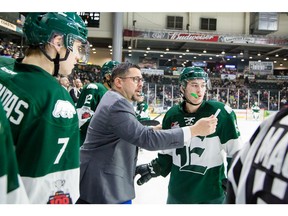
{"x": 56, "y": 60}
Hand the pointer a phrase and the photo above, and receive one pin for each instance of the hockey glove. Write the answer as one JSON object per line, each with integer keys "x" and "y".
{"x": 147, "y": 171}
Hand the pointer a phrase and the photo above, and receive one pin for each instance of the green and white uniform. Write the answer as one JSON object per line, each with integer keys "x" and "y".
{"x": 11, "y": 186}
{"x": 196, "y": 172}
{"x": 255, "y": 111}
{"x": 142, "y": 112}
{"x": 44, "y": 126}
{"x": 87, "y": 103}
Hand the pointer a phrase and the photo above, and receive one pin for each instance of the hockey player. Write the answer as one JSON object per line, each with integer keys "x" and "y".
{"x": 255, "y": 111}
{"x": 42, "y": 115}
{"x": 142, "y": 112}
{"x": 11, "y": 187}
{"x": 90, "y": 97}
{"x": 196, "y": 171}
{"x": 259, "y": 173}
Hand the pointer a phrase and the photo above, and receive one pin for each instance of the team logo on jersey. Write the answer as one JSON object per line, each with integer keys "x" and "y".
{"x": 175, "y": 125}
{"x": 60, "y": 197}
{"x": 92, "y": 86}
{"x": 85, "y": 115}
{"x": 63, "y": 109}
{"x": 189, "y": 120}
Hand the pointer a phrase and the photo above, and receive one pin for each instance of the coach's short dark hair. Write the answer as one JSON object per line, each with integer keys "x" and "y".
{"x": 121, "y": 69}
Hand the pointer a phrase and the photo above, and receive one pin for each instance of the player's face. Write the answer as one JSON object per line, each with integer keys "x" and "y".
{"x": 132, "y": 84}
{"x": 195, "y": 90}
{"x": 67, "y": 66}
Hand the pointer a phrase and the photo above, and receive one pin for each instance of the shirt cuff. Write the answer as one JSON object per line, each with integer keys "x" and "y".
{"x": 187, "y": 135}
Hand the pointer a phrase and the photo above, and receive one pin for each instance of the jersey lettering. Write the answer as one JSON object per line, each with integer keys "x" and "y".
{"x": 63, "y": 141}
{"x": 186, "y": 158}
{"x": 88, "y": 99}
{"x": 273, "y": 151}
{"x": 12, "y": 105}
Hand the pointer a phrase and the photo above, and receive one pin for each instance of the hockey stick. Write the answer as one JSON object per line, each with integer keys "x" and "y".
{"x": 157, "y": 116}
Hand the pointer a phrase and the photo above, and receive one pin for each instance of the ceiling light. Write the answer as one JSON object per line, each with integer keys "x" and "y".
{"x": 148, "y": 48}
{"x": 281, "y": 64}
{"x": 223, "y": 52}
{"x": 241, "y": 53}
{"x": 285, "y": 59}
{"x": 204, "y": 51}
{"x": 258, "y": 54}
{"x": 250, "y": 57}
{"x": 129, "y": 47}
{"x": 109, "y": 46}
{"x": 259, "y": 60}
{"x": 187, "y": 50}
{"x": 167, "y": 49}
{"x": 267, "y": 58}
{"x": 276, "y": 55}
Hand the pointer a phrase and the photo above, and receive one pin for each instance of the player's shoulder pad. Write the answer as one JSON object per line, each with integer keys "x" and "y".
{"x": 219, "y": 105}
{"x": 92, "y": 86}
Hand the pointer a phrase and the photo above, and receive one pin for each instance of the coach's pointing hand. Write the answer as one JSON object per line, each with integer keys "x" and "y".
{"x": 204, "y": 126}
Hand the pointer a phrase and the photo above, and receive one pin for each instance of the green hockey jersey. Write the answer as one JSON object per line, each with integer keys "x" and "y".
{"x": 142, "y": 112}
{"x": 88, "y": 101}
{"x": 196, "y": 172}
{"x": 44, "y": 126}
{"x": 11, "y": 189}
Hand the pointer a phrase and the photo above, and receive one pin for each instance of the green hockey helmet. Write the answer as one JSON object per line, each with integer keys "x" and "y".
{"x": 190, "y": 73}
{"x": 41, "y": 28}
{"x": 108, "y": 67}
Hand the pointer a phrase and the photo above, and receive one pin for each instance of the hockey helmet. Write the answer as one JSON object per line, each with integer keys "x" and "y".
{"x": 190, "y": 73}
{"x": 108, "y": 67}
{"x": 41, "y": 28}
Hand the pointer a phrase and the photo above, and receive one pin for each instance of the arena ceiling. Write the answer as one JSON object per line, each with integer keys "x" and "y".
{"x": 194, "y": 48}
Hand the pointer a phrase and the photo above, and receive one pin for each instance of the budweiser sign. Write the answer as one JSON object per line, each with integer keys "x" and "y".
{"x": 195, "y": 37}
